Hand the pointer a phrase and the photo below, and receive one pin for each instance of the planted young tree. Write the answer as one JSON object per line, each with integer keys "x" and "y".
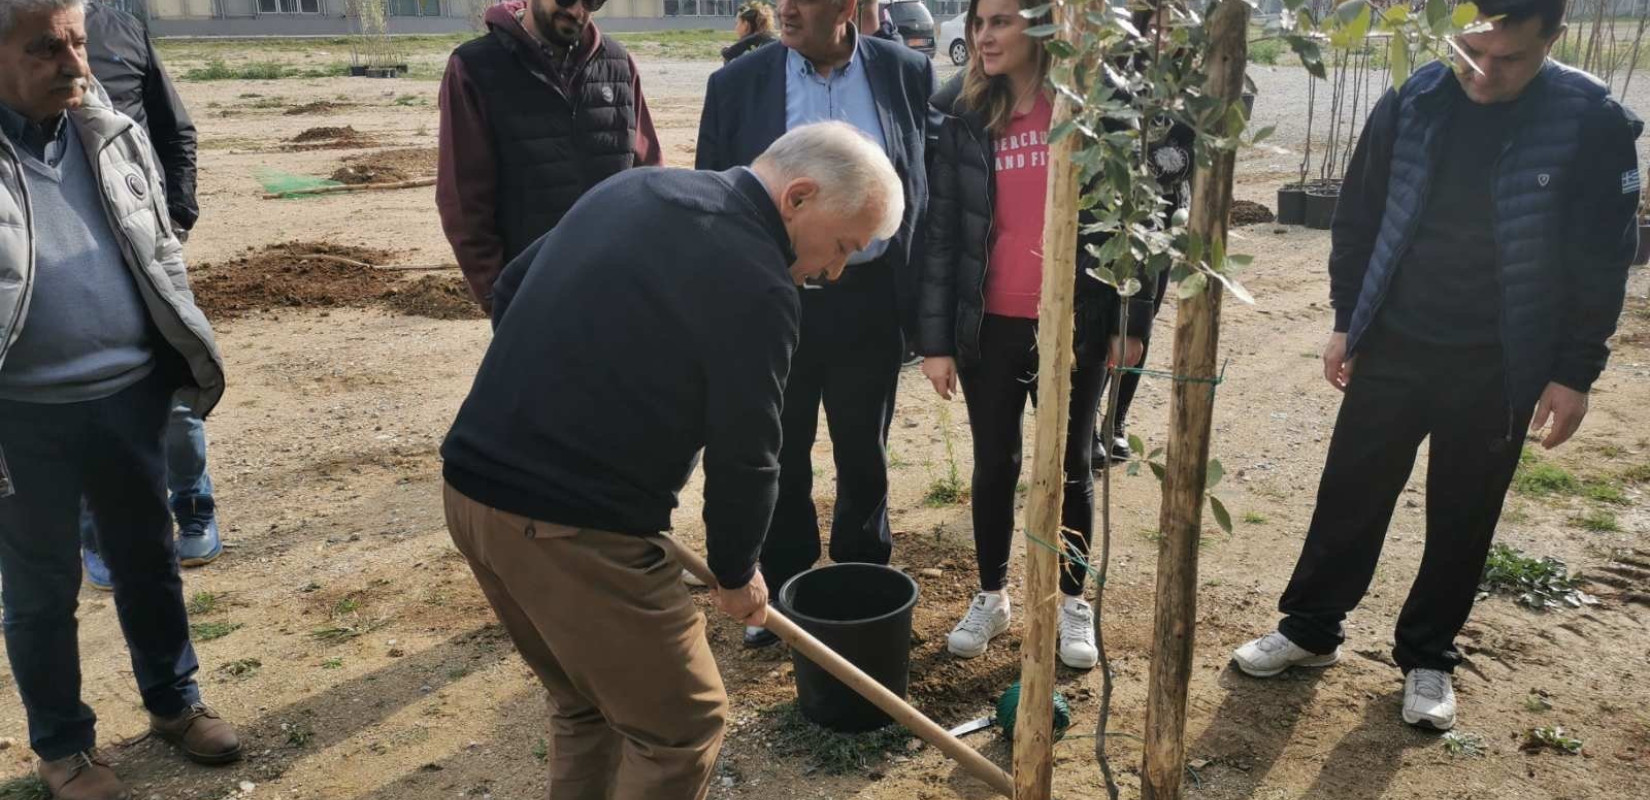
{"x": 1118, "y": 89}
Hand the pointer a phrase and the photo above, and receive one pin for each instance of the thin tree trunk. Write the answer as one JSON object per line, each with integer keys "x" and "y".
{"x": 1191, "y": 413}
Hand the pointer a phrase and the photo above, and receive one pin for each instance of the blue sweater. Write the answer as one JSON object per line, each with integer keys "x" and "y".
{"x": 87, "y": 335}
{"x": 655, "y": 321}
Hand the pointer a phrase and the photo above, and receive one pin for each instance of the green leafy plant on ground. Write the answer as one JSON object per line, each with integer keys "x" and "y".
{"x": 1461, "y": 743}
{"x": 826, "y": 751}
{"x": 1538, "y": 478}
{"x": 1538, "y": 583}
{"x": 1550, "y": 738}
{"x": 242, "y": 668}
{"x": 207, "y": 631}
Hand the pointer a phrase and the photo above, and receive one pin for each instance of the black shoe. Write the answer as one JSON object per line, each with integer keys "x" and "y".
{"x": 758, "y": 638}
{"x": 911, "y": 358}
{"x": 1099, "y": 456}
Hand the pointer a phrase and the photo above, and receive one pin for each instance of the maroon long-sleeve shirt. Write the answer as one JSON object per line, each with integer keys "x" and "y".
{"x": 466, "y": 192}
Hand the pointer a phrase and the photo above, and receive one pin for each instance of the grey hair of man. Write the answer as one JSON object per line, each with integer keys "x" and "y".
{"x": 10, "y": 10}
{"x": 852, "y": 171}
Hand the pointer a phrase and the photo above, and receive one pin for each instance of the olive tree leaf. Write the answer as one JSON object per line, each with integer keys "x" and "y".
{"x": 1222, "y": 516}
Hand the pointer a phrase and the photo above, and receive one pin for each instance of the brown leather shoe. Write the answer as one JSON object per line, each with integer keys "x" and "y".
{"x": 201, "y": 734}
{"x": 82, "y": 776}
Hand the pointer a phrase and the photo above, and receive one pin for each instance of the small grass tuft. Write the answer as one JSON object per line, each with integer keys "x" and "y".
{"x": 298, "y": 734}
{"x": 1254, "y": 518}
{"x": 1636, "y": 474}
{"x": 202, "y": 603}
{"x": 410, "y": 100}
{"x": 1604, "y": 492}
{"x": 207, "y": 631}
{"x": 826, "y": 751}
{"x": 1597, "y": 521}
{"x": 333, "y": 663}
{"x": 346, "y": 606}
{"x": 343, "y": 633}
{"x": 1536, "y": 704}
{"x": 29, "y": 788}
{"x": 241, "y": 668}
{"x": 541, "y": 750}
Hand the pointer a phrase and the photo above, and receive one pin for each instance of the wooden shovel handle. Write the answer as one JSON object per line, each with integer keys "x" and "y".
{"x": 926, "y": 729}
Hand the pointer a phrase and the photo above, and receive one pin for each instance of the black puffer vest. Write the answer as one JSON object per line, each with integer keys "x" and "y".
{"x": 1540, "y": 152}
{"x": 551, "y": 148}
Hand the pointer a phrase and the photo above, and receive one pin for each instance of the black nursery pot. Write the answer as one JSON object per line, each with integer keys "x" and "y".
{"x": 1292, "y": 204}
{"x": 1320, "y": 206}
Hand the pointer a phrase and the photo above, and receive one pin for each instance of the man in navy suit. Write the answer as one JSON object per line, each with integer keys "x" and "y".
{"x": 852, "y": 329}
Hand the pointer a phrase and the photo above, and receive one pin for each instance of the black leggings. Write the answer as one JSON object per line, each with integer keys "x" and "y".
{"x": 996, "y": 389}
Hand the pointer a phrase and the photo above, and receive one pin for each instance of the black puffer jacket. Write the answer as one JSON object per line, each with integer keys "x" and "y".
{"x": 962, "y": 203}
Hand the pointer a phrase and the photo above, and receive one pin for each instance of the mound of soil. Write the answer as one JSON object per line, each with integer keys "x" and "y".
{"x": 433, "y": 296}
{"x": 317, "y": 107}
{"x": 325, "y": 134}
{"x": 295, "y": 275}
{"x": 1246, "y": 212}
{"x": 388, "y": 166}
{"x": 354, "y": 174}
{"x": 292, "y": 275}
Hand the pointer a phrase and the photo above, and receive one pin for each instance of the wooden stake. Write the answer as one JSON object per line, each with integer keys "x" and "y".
{"x": 843, "y": 670}
{"x": 1034, "y": 721}
{"x": 1191, "y": 411}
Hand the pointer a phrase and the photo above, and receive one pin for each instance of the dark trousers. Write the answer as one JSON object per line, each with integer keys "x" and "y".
{"x": 848, "y": 360}
{"x": 996, "y": 389}
{"x": 1400, "y": 393}
{"x": 113, "y": 452}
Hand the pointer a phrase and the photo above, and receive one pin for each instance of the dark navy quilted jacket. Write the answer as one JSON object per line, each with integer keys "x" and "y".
{"x": 1566, "y": 193}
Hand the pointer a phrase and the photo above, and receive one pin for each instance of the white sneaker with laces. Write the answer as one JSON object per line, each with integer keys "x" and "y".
{"x": 1429, "y": 699}
{"x": 986, "y": 618}
{"x": 1077, "y": 647}
{"x": 1274, "y": 653}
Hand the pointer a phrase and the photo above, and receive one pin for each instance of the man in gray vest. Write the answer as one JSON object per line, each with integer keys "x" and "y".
{"x": 98, "y": 333}
{"x": 1479, "y": 264}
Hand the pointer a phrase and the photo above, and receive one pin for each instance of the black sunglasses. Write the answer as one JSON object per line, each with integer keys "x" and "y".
{"x": 593, "y": 5}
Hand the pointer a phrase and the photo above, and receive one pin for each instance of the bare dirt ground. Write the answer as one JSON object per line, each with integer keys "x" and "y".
{"x": 344, "y": 635}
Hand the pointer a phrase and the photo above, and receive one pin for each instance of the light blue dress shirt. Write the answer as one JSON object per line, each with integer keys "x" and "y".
{"x": 844, "y": 97}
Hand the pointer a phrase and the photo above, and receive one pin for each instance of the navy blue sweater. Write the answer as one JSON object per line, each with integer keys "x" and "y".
{"x": 657, "y": 320}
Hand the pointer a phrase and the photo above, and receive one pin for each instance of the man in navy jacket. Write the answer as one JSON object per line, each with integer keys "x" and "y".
{"x": 1480, "y": 259}
{"x": 852, "y": 329}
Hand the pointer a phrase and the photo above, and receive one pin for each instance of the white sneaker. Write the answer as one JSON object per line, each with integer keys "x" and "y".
{"x": 1274, "y": 653}
{"x": 1429, "y": 699}
{"x": 1077, "y": 648}
{"x": 986, "y": 618}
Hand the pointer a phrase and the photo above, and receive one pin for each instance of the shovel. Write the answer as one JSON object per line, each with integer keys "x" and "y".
{"x": 926, "y": 729}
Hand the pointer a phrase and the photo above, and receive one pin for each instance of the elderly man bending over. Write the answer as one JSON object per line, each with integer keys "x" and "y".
{"x": 612, "y": 368}
{"x": 98, "y": 330}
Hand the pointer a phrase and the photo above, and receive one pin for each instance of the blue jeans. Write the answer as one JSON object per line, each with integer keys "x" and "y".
{"x": 186, "y": 475}
{"x": 112, "y": 453}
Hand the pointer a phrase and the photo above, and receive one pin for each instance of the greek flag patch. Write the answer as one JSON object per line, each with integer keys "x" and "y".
{"x": 1630, "y": 181}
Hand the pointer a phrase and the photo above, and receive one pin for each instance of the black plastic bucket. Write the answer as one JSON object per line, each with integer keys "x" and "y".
{"x": 863, "y": 612}
{"x": 1292, "y": 204}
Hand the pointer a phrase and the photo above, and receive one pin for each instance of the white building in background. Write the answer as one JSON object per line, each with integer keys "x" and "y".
{"x": 334, "y": 17}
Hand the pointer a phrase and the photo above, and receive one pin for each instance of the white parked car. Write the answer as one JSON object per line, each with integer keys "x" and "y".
{"x": 953, "y": 38}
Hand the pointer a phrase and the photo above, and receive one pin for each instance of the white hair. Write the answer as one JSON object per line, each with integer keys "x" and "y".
{"x": 11, "y": 9}
{"x": 852, "y": 171}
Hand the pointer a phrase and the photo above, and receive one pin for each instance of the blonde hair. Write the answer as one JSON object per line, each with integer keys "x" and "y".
{"x": 758, "y": 15}
{"x": 991, "y": 96}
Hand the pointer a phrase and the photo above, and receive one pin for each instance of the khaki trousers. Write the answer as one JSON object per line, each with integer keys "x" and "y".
{"x": 637, "y": 707}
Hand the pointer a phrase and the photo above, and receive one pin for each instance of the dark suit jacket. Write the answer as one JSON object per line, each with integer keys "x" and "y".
{"x": 745, "y": 113}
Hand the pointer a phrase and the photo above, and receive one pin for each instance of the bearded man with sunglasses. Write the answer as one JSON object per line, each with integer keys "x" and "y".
{"x": 533, "y": 114}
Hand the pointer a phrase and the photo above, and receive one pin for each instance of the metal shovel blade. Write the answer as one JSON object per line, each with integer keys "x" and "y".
{"x": 971, "y": 726}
